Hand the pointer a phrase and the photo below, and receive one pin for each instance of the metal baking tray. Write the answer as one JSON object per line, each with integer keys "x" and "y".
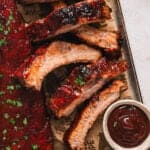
{"x": 132, "y": 76}
{"x": 95, "y": 139}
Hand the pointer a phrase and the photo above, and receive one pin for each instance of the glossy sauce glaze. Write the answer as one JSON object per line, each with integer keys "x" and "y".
{"x": 23, "y": 122}
{"x": 67, "y": 16}
{"x": 128, "y": 126}
{"x": 81, "y": 78}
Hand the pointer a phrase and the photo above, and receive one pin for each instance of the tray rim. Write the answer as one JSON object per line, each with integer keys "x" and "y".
{"x": 129, "y": 51}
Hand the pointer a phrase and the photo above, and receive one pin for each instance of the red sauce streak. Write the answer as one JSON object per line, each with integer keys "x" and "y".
{"x": 64, "y": 96}
{"x": 69, "y": 15}
{"x": 128, "y": 126}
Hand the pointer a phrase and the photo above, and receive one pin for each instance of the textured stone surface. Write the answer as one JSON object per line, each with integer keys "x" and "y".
{"x": 137, "y": 20}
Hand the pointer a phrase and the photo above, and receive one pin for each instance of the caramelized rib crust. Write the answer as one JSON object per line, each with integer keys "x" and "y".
{"x": 82, "y": 83}
{"x": 33, "y": 71}
{"x": 68, "y": 18}
{"x": 76, "y": 135}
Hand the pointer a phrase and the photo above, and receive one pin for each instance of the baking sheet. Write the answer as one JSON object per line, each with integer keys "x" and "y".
{"x": 95, "y": 139}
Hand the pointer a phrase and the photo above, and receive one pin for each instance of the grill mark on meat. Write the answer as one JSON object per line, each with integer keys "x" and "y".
{"x": 68, "y": 18}
{"x": 76, "y": 135}
{"x": 23, "y": 122}
{"x": 35, "y": 68}
{"x": 103, "y": 39}
{"x": 82, "y": 83}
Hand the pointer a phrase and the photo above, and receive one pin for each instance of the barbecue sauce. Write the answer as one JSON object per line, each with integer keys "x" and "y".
{"x": 128, "y": 126}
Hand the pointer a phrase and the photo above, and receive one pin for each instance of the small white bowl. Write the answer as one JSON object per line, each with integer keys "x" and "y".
{"x": 143, "y": 146}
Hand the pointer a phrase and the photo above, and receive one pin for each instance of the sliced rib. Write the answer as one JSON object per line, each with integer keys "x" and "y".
{"x": 68, "y": 18}
{"x": 76, "y": 136}
{"x": 103, "y": 39}
{"x": 45, "y": 60}
{"x": 82, "y": 83}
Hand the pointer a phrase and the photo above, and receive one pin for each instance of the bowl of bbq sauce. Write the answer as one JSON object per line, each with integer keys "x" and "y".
{"x": 126, "y": 125}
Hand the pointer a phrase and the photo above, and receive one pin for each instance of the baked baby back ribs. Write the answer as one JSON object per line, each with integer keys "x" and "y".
{"x": 82, "y": 83}
{"x": 107, "y": 40}
{"x": 76, "y": 135}
{"x": 68, "y": 18}
{"x": 23, "y": 122}
{"x": 35, "y": 68}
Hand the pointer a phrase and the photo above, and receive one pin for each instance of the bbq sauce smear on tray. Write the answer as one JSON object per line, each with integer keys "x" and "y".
{"x": 128, "y": 126}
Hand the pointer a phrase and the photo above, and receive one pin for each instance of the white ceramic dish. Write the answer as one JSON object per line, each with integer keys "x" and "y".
{"x": 143, "y": 146}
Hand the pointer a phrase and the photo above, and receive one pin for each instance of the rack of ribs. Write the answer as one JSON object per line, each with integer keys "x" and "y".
{"x": 35, "y": 68}
{"x": 68, "y": 18}
{"x": 82, "y": 83}
{"x": 23, "y": 121}
{"x": 76, "y": 135}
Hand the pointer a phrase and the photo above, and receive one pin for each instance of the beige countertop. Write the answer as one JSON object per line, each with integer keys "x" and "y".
{"x": 137, "y": 20}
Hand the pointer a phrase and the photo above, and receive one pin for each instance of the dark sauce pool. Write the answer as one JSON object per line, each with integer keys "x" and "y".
{"x": 128, "y": 126}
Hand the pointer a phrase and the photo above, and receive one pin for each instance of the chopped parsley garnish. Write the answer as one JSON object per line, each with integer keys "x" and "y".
{"x": 6, "y": 32}
{"x": 3, "y": 42}
{"x": 18, "y": 86}
{"x": 4, "y": 131}
{"x": 1, "y": 75}
{"x": 14, "y": 102}
{"x": 17, "y": 115}
{"x": 1, "y": 28}
{"x": 15, "y": 128}
{"x": 13, "y": 87}
{"x": 4, "y": 138}
{"x": 34, "y": 147}
{"x": 79, "y": 81}
{"x": 10, "y": 19}
{"x": 6, "y": 115}
{"x": 84, "y": 70}
{"x": 14, "y": 143}
{"x": 6, "y": 29}
{"x": 10, "y": 87}
{"x": 12, "y": 121}
{"x": 8, "y": 148}
{"x": 25, "y": 121}
{"x": 11, "y": 16}
{"x": 2, "y": 93}
{"x": 25, "y": 137}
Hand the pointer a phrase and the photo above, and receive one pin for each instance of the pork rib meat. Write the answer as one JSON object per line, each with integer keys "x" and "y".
{"x": 45, "y": 60}
{"x": 68, "y": 18}
{"x": 76, "y": 137}
{"x": 82, "y": 83}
